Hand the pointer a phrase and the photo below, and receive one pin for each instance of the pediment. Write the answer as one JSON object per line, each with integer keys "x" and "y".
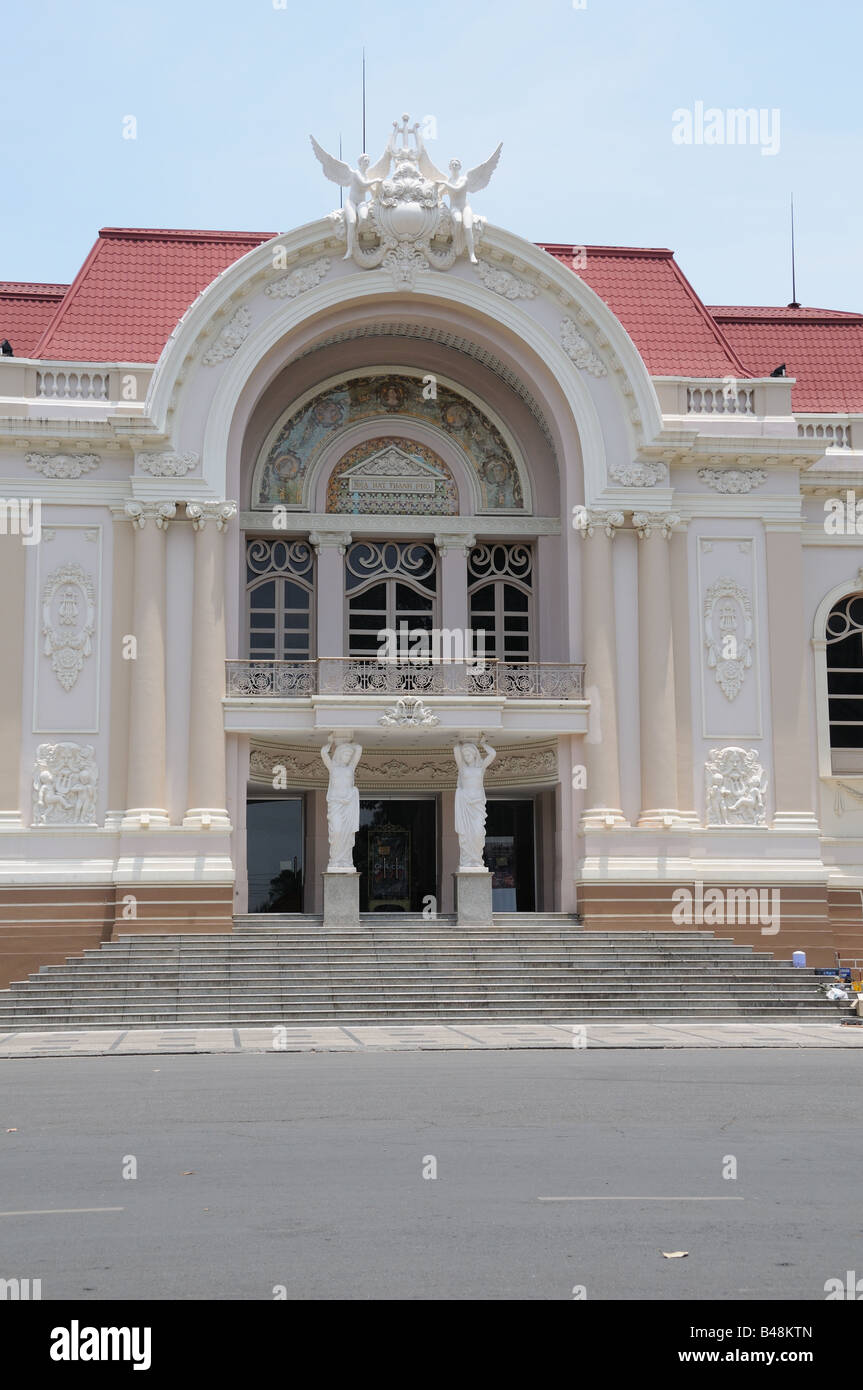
{"x": 395, "y": 465}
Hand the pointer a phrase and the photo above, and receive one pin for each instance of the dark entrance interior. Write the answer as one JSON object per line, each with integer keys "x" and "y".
{"x": 509, "y": 853}
{"x": 396, "y": 854}
{"x": 274, "y": 854}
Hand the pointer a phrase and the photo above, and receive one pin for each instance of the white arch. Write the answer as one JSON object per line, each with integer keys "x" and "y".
{"x": 819, "y": 647}
{"x": 568, "y": 293}
{"x": 822, "y": 612}
{"x": 337, "y": 378}
{"x": 451, "y": 455}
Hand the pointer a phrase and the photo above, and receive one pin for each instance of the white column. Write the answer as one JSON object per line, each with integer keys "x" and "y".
{"x": 656, "y": 672}
{"x": 147, "y": 716}
{"x": 330, "y": 547}
{"x": 601, "y": 752}
{"x": 207, "y": 793}
{"x": 454, "y": 607}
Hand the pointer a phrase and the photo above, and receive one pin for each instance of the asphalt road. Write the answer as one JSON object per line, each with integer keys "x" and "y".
{"x": 306, "y": 1171}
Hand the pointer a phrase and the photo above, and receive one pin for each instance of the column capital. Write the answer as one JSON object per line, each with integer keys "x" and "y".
{"x": 587, "y": 522}
{"x": 330, "y": 540}
{"x": 454, "y": 540}
{"x": 139, "y": 513}
{"x": 663, "y": 523}
{"x": 199, "y": 513}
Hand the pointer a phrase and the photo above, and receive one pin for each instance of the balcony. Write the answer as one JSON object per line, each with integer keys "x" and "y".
{"x": 354, "y": 677}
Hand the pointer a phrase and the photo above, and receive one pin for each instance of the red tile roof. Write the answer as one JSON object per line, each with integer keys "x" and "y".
{"x": 822, "y": 348}
{"x": 25, "y": 312}
{"x": 137, "y": 283}
{"x": 648, "y": 292}
{"x": 133, "y": 289}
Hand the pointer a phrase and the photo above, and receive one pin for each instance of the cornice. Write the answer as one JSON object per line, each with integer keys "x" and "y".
{"x": 371, "y": 524}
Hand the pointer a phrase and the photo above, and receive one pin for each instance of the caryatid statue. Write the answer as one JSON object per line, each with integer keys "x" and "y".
{"x": 359, "y": 183}
{"x": 470, "y": 801}
{"x": 343, "y": 802}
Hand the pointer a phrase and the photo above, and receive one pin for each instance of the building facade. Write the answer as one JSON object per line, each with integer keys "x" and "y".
{"x": 230, "y": 461}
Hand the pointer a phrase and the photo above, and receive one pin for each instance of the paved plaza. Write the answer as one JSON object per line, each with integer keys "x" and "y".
{"x": 110, "y": 1042}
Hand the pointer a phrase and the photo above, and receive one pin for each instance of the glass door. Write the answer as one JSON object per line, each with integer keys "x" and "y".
{"x": 274, "y": 854}
{"x": 509, "y": 854}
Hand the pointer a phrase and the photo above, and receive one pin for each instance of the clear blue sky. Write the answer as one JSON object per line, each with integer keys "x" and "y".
{"x": 225, "y": 93}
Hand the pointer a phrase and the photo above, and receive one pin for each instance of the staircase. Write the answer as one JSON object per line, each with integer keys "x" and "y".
{"x": 399, "y": 968}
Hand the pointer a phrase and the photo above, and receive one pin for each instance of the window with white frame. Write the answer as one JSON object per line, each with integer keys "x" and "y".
{"x": 845, "y": 672}
{"x": 500, "y": 589}
{"x": 279, "y": 597}
{"x": 388, "y": 583}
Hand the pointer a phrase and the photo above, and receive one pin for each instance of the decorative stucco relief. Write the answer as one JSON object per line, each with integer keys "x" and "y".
{"x": 232, "y": 337}
{"x": 406, "y": 227}
{"x": 63, "y": 465}
{"x": 841, "y": 805}
{"x": 579, "y": 350}
{"x": 139, "y": 513}
{"x": 588, "y": 522}
{"x": 419, "y": 768}
{"x": 68, "y": 621}
{"x": 735, "y": 787}
{"x": 646, "y": 523}
{"x": 167, "y": 465}
{"x": 640, "y": 474}
{"x": 391, "y": 475}
{"x": 504, "y": 283}
{"x": 65, "y": 784}
{"x": 732, "y": 479}
{"x": 199, "y": 513}
{"x": 304, "y": 278}
{"x": 409, "y": 710}
{"x": 727, "y": 609}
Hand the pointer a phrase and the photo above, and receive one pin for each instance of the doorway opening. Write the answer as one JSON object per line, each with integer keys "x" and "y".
{"x": 274, "y": 854}
{"x": 510, "y": 853}
{"x": 396, "y": 854}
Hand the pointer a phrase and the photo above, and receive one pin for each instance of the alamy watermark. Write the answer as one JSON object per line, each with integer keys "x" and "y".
{"x": 417, "y": 646}
{"x": 851, "y": 1288}
{"x": 844, "y": 517}
{"x": 20, "y": 1290}
{"x": 733, "y": 126}
{"x": 755, "y": 907}
{"x": 16, "y": 520}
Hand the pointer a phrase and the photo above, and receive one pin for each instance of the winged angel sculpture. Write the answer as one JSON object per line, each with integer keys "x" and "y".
{"x": 405, "y": 212}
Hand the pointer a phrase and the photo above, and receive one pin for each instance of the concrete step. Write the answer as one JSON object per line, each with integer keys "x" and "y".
{"x": 399, "y": 970}
{"x": 308, "y": 976}
{"x": 369, "y": 1017}
{"x": 459, "y": 992}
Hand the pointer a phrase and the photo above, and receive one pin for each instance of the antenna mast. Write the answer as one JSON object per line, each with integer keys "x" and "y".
{"x": 794, "y": 304}
{"x": 364, "y": 100}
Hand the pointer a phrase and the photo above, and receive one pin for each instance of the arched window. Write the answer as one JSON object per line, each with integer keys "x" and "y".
{"x": 500, "y": 588}
{"x": 279, "y": 591}
{"x": 844, "y": 634}
{"x": 388, "y": 583}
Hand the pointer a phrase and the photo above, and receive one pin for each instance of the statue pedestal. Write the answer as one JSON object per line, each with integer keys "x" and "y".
{"x": 473, "y": 898}
{"x": 341, "y": 898}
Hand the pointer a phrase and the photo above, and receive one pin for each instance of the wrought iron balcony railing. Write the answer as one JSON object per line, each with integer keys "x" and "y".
{"x": 354, "y": 676}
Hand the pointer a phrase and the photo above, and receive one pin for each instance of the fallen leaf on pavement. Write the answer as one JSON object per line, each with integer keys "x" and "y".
{"x": 675, "y": 1254}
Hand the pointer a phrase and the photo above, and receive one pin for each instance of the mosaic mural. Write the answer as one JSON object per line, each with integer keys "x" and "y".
{"x": 280, "y": 476}
{"x": 396, "y": 476}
